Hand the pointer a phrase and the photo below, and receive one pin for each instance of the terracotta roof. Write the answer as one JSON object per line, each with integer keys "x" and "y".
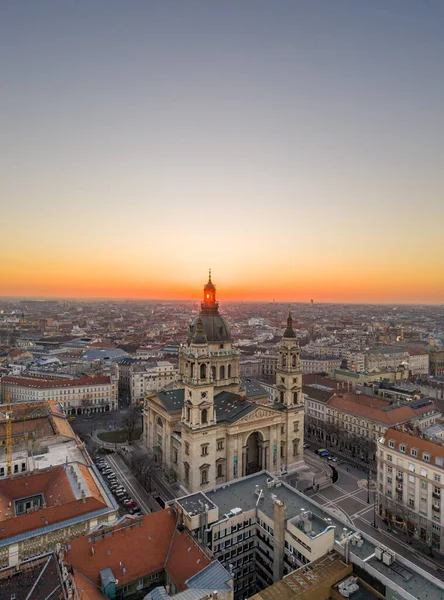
{"x": 88, "y": 590}
{"x": 388, "y": 417}
{"x": 36, "y": 382}
{"x": 151, "y": 535}
{"x": 413, "y": 441}
{"x": 61, "y": 503}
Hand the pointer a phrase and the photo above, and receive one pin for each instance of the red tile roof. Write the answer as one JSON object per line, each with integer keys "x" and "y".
{"x": 36, "y": 382}
{"x": 154, "y": 536}
{"x": 359, "y": 409}
{"x": 61, "y": 503}
{"x": 413, "y": 441}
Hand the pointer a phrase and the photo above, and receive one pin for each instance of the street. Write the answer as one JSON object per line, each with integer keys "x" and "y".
{"x": 129, "y": 482}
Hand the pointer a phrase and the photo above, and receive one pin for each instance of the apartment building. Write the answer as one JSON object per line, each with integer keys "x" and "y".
{"x": 410, "y": 484}
{"x": 418, "y": 361}
{"x": 76, "y": 395}
{"x": 388, "y": 357}
{"x": 262, "y": 530}
{"x": 151, "y": 377}
{"x": 49, "y": 506}
{"x": 317, "y": 364}
{"x": 343, "y": 418}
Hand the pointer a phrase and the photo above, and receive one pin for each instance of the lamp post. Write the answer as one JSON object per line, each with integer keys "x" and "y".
{"x": 368, "y": 487}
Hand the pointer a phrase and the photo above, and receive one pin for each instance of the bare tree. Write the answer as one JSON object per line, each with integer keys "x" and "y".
{"x": 129, "y": 422}
{"x": 143, "y": 467}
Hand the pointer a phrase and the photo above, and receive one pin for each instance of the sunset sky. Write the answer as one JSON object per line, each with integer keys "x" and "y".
{"x": 295, "y": 147}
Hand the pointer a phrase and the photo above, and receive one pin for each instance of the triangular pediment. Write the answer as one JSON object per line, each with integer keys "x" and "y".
{"x": 259, "y": 414}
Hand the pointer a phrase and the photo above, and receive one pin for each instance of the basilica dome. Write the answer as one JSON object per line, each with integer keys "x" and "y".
{"x": 215, "y": 327}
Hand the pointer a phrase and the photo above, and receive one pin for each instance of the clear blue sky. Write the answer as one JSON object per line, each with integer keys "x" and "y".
{"x": 295, "y": 147}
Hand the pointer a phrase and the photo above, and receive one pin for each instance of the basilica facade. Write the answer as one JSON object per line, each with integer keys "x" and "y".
{"x": 209, "y": 429}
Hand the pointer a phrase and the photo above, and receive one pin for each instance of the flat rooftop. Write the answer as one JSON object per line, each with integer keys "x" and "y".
{"x": 243, "y": 493}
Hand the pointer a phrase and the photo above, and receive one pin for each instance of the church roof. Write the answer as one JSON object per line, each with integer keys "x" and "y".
{"x": 172, "y": 400}
{"x": 230, "y": 407}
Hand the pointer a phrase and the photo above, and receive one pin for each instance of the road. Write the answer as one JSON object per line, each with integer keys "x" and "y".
{"x": 129, "y": 482}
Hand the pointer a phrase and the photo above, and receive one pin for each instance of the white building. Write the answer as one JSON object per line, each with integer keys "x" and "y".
{"x": 76, "y": 395}
{"x": 314, "y": 364}
{"x": 418, "y": 361}
{"x": 410, "y": 485}
{"x": 151, "y": 377}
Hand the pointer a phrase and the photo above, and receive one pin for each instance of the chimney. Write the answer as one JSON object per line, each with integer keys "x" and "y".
{"x": 279, "y": 540}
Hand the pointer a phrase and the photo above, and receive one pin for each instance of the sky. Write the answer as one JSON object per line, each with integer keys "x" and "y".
{"x": 295, "y": 147}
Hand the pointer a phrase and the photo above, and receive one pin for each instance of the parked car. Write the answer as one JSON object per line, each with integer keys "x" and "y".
{"x": 119, "y": 493}
{"x": 306, "y": 445}
{"x": 332, "y": 458}
{"x": 130, "y": 504}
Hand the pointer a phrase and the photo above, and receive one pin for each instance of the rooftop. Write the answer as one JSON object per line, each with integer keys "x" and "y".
{"x": 159, "y": 546}
{"x": 38, "y": 579}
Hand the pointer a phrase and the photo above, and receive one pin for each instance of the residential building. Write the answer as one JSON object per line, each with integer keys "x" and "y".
{"x": 50, "y": 505}
{"x": 151, "y": 376}
{"x": 387, "y": 357}
{"x": 141, "y": 555}
{"x": 209, "y": 430}
{"x": 410, "y": 484}
{"x": 436, "y": 358}
{"x": 77, "y": 395}
{"x": 418, "y": 361}
{"x": 250, "y": 367}
{"x": 317, "y": 364}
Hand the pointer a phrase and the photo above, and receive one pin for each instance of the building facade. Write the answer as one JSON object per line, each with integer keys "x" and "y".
{"x": 411, "y": 485}
{"x": 151, "y": 377}
{"x": 76, "y": 395}
{"x": 208, "y": 431}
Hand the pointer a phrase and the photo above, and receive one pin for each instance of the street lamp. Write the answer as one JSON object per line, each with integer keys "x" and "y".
{"x": 368, "y": 487}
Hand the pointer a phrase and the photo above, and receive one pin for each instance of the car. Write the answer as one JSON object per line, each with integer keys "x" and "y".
{"x": 136, "y": 511}
{"x": 88, "y": 417}
{"x": 323, "y": 452}
{"x": 332, "y": 458}
{"x": 71, "y": 419}
{"x": 306, "y": 445}
{"x": 106, "y": 471}
{"x": 131, "y": 504}
{"x": 119, "y": 493}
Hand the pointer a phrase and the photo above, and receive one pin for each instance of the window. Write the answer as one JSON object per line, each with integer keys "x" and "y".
{"x": 220, "y": 470}
{"x": 220, "y": 444}
{"x": 411, "y": 467}
{"x": 391, "y": 444}
{"x": 402, "y": 447}
{"x": 204, "y": 476}
{"x": 204, "y": 448}
{"x": 222, "y": 372}
{"x": 425, "y": 457}
{"x": 205, "y": 416}
{"x": 389, "y": 457}
{"x": 175, "y": 456}
{"x": 389, "y": 469}
{"x": 424, "y": 485}
{"x": 187, "y": 472}
{"x": 437, "y": 478}
{"x": 414, "y": 452}
{"x": 411, "y": 503}
{"x": 438, "y": 461}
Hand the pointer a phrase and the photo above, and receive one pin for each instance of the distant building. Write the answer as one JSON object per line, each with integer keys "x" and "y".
{"x": 436, "y": 358}
{"x": 76, "y": 395}
{"x": 250, "y": 367}
{"x": 152, "y": 376}
{"x": 418, "y": 361}
{"x": 315, "y": 364}
{"x": 388, "y": 357}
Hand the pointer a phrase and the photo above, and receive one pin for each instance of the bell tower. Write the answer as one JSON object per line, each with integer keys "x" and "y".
{"x": 288, "y": 371}
{"x": 198, "y": 410}
{"x": 209, "y": 298}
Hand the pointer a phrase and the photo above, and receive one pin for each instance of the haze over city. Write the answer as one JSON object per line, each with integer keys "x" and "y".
{"x": 294, "y": 147}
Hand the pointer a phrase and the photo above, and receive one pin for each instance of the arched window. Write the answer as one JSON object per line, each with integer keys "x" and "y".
{"x": 229, "y": 371}
{"x": 203, "y": 371}
{"x": 295, "y": 398}
{"x": 281, "y": 397}
{"x": 187, "y": 472}
{"x": 159, "y": 422}
{"x": 222, "y": 372}
{"x": 204, "y": 476}
{"x": 284, "y": 360}
{"x": 293, "y": 360}
{"x": 213, "y": 372}
{"x": 192, "y": 369}
{"x": 188, "y": 415}
{"x": 220, "y": 470}
{"x": 204, "y": 416}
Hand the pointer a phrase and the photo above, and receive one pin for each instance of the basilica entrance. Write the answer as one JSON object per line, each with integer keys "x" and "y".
{"x": 254, "y": 453}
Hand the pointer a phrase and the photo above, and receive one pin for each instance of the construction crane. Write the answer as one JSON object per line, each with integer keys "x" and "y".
{"x": 8, "y": 414}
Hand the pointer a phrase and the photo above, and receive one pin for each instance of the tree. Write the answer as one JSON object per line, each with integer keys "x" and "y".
{"x": 143, "y": 467}
{"x": 129, "y": 422}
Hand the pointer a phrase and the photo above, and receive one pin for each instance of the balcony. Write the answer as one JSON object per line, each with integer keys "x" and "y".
{"x": 399, "y": 477}
{"x": 436, "y": 495}
{"x": 436, "y": 507}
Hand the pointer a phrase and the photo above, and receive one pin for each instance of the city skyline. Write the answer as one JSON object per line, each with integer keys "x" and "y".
{"x": 296, "y": 148}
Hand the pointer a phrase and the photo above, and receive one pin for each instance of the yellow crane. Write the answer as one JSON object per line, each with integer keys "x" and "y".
{"x": 8, "y": 413}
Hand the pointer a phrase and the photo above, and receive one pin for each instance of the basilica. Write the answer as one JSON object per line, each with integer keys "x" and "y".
{"x": 210, "y": 429}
